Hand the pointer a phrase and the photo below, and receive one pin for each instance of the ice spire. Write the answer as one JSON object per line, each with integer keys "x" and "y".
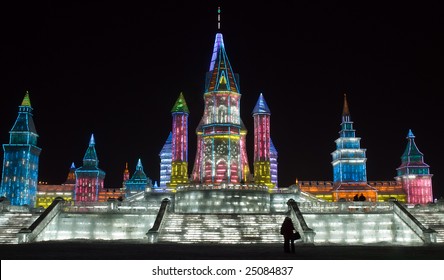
{"x": 412, "y": 153}
{"x": 218, "y": 18}
{"x": 220, "y": 76}
{"x": 90, "y": 158}
{"x": 181, "y": 105}
{"x": 261, "y": 106}
{"x": 26, "y": 101}
{"x": 346, "y": 110}
{"x": 92, "y": 141}
{"x": 139, "y": 165}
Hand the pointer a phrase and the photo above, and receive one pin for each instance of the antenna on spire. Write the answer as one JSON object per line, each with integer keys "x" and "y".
{"x": 218, "y": 18}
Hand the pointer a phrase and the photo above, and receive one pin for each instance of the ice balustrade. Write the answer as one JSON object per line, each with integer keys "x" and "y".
{"x": 153, "y": 233}
{"x": 222, "y": 201}
{"x": 112, "y": 205}
{"x": 346, "y": 207}
{"x": 307, "y": 234}
{"x": 29, "y": 234}
{"x": 5, "y": 206}
{"x": 136, "y": 197}
{"x": 223, "y": 186}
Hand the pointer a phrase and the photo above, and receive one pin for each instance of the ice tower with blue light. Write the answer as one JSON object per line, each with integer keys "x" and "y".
{"x": 21, "y": 159}
{"x": 349, "y": 161}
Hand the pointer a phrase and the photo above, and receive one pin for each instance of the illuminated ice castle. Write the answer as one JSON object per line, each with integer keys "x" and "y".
{"x": 220, "y": 200}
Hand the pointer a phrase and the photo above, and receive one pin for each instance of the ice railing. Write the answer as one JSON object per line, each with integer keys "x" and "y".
{"x": 29, "y": 234}
{"x": 307, "y": 233}
{"x": 223, "y": 186}
{"x": 6, "y": 207}
{"x": 153, "y": 233}
{"x": 346, "y": 207}
{"x": 426, "y": 208}
{"x": 112, "y": 206}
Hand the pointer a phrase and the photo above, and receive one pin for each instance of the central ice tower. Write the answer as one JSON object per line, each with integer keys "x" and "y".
{"x": 221, "y": 153}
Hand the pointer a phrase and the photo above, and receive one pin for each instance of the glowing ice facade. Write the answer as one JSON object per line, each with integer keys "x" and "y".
{"x": 21, "y": 159}
{"x": 47, "y": 193}
{"x": 165, "y": 162}
{"x": 89, "y": 177}
{"x": 139, "y": 182}
{"x": 179, "y": 144}
{"x": 414, "y": 174}
{"x": 349, "y": 161}
{"x": 262, "y": 158}
{"x": 221, "y": 135}
{"x": 273, "y": 164}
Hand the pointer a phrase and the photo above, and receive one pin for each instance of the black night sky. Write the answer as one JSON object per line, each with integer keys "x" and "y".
{"x": 116, "y": 69}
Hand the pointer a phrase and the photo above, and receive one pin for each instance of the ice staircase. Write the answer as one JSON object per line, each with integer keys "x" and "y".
{"x": 361, "y": 228}
{"x": 434, "y": 220}
{"x": 11, "y": 223}
{"x": 221, "y": 228}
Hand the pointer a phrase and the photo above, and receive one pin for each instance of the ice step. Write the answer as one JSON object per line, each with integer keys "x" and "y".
{"x": 434, "y": 220}
{"x": 225, "y": 228}
{"x": 12, "y": 223}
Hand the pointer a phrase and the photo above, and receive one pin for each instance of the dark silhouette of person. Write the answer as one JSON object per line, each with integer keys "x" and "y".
{"x": 356, "y": 198}
{"x": 287, "y": 229}
{"x": 361, "y": 197}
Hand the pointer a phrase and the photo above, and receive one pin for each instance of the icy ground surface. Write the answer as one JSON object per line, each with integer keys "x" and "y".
{"x": 116, "y": 250}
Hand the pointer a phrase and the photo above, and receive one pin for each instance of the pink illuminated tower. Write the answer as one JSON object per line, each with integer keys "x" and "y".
{"x": 89, "y": 177}
{"x": 414, "y": 174}
{"x": 221, "y": 153}
{"x": 262, "y": 143}
{"x": 179, "y": 148}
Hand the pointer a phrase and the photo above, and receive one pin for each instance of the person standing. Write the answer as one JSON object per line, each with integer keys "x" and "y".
{"x": 287, "y": 230}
